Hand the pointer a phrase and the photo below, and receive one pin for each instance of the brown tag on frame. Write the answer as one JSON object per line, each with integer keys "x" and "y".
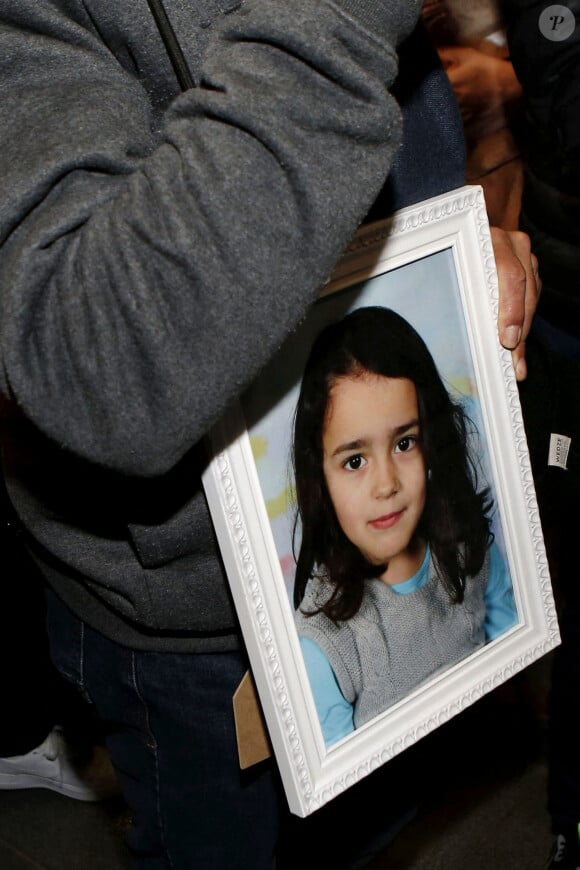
{"x": 252, "y": 736}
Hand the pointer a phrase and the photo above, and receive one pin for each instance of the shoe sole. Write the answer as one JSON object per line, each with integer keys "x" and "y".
{"x": 15, "y": 782}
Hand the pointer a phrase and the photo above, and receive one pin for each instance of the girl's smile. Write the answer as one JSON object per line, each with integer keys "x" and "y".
{"x": 387, "y": 521}
{"x": 375, "y": 471}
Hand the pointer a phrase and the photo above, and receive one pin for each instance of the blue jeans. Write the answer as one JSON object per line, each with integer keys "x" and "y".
{"x": 170, "y": 733}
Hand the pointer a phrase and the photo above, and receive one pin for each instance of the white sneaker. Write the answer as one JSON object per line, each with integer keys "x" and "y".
{"x": 50, "y": 766}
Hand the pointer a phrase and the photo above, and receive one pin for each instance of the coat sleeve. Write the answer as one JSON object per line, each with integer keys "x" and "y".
{"x": 501, "y": 612}
{"x": 148, "y": 271}
{"x": 334, "y": 711}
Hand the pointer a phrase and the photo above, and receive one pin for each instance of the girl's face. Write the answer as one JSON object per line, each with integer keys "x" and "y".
{"x": 375, "y": 471}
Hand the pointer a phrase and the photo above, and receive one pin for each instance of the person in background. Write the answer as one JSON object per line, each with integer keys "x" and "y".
{"x": 471, "y": 42}
{"x": 544, "y": 44}
{"x": 48, "y": 736}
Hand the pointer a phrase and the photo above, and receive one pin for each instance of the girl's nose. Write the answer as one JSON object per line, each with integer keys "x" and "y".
{"x": 386, "y": 481}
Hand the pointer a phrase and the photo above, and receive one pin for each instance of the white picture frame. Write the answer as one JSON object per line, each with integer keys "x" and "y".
{"x": 436, "y": 258}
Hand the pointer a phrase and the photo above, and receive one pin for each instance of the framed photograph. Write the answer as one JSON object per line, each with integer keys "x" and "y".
{"x": 401, "y": 483}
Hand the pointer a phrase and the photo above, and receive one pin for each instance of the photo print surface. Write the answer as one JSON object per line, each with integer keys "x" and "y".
{"x": 476, "y": 576}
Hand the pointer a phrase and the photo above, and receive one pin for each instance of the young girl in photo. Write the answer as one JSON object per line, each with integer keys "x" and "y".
{"x": 398, "y": 575}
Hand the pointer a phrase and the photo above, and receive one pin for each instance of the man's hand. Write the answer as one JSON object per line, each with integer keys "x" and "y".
{"x": 519, "y": 290}
{"x": 485, "y": 86}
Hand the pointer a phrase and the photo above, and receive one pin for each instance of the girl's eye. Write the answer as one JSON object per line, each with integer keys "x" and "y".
{"x": 405, "y": 444}
{"x": 353, "y": 463}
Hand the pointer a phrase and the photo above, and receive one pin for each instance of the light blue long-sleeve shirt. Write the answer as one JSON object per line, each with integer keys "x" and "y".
{"x": 335, "y": 712}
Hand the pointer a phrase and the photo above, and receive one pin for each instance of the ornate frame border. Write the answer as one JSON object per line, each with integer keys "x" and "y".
{"x": 313, "y": 775}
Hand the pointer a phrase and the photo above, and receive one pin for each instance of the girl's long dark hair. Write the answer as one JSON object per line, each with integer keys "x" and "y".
{"x": 455, "y": 521}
